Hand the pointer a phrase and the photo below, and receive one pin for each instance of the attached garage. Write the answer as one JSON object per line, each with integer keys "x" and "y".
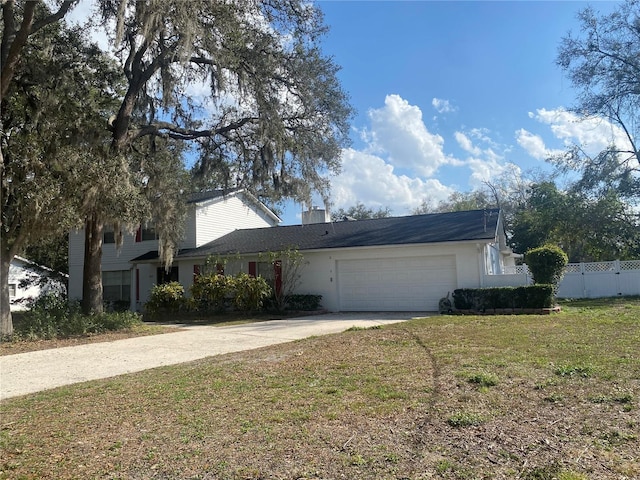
{"x": 395, "y": 284}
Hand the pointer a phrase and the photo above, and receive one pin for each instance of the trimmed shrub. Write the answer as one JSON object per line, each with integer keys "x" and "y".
{"x": 166, "y": 297}
{"x": 304, "y": 302}
{"x": 547, "y": 264}
{"x": 482, "y": 299}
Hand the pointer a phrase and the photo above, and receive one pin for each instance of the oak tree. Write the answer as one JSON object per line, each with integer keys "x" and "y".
{"x": 244, "y": 84}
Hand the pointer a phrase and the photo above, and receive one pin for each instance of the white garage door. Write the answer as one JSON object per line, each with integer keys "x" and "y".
{"x": 395, "y": 284}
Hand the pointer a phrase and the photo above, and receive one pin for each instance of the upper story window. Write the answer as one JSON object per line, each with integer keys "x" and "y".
{"x": 109, "y": 237}
{"x": 146, "y": 233}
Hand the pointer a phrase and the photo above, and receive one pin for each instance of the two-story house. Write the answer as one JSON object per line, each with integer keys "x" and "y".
{"x": 211, "y": 215}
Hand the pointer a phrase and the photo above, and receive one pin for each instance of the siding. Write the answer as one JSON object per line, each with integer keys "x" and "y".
{"x": 206, "y": 221}
{"x": 319, "y": 274}
{"x": 219, "y": 216}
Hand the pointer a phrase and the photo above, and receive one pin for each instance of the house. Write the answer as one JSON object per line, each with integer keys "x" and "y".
{"x": 387, "y": 264}
{"x": 28, "y": 280}
{"x": 211, "y": 215}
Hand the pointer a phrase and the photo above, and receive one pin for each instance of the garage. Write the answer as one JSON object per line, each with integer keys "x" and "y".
{"x": 395, "y": 284}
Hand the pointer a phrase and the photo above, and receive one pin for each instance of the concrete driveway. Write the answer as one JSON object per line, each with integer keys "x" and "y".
{"x": 31, "y": 372}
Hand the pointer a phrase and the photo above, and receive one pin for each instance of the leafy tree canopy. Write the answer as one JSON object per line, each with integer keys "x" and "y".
{"x": 586, "y": 228}
{"x": 360, "y": 212}
{"x": 602, "y": 64}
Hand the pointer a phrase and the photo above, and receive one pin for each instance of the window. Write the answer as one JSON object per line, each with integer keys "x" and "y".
{"x": 166, "y": 277}
{"x": 146, "y": 233}
{"x": 116, "y": 285}
{"x": 12, "y": 290}
{"x": 108, "y": 237}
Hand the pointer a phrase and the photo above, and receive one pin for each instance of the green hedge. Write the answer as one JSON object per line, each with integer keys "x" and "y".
{"x": 481, "y": 299}
{"x": 304, "y": 302}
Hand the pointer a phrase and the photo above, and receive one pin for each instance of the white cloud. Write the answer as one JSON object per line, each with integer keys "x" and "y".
{"x": 593, "y": 134}
{"x": 442, "y": 106}
{"x": 398, "y": 130}
{"x": 368, "y": 179}
{"x": 534, "y": 145}
{"x": 465, "y": 143}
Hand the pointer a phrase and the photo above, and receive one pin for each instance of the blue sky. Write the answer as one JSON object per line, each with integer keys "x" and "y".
{"x": 448, "y": 94}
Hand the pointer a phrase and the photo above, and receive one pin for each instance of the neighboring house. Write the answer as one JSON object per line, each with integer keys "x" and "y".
{"x": 387, "y": 264}
{"x": 211, "y": 215}
{"x": 28, "y": 280}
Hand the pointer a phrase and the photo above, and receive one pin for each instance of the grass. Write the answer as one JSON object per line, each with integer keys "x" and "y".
{"x": 441, "y": 397}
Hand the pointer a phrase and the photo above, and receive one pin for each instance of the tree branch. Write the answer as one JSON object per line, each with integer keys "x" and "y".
{"x": 173, "y": 131}
{"x": 62, "y": 11}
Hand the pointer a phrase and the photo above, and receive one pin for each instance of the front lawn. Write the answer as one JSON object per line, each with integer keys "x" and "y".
{"x": 458, "y": 397}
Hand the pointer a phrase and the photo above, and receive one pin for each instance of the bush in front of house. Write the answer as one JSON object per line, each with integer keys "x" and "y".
{"x": 250, "y": 292}
{"x": 482, "y": 299}
{"x": 546, "y": 264}
{"x": 303, "y": 302}
{"x": 212, "y": 292}
{"x": 166, "y": 298}
{"x": 51, "y": 316}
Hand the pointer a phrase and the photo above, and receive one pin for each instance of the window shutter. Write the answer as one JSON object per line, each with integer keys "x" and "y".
{"x": 277, "y": 276}
{"x": 139, "y": 234}
{"x": 252, "y": 268}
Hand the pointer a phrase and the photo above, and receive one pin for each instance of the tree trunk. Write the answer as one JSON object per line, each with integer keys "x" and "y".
{"x": 6, "y": 322}
{"x": 92, "y": 269}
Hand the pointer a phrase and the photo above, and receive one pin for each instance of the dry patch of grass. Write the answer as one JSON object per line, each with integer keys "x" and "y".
{"x": 531, "y": 397}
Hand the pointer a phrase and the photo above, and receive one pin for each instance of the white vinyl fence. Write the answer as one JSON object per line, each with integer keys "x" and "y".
{"x": 601, "y": 279}
{"x": 581, "y": 280}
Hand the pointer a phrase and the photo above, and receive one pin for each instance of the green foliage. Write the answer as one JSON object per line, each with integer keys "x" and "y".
{"x": 291, "y": 262}
{"x": 211, "y": 292}
{"x": 547, "y": 264}
{"x": 588, "y": 227}
{"x": 360, "y": 212}
{"x": 304, "y": 302}
{"x": 250, "y": 292}
{"x": 465, "y": 419}
{"x": 601, "y": 63}
{"x": 482, "y": 299}
{"x": 52, "y": 316}
{"x": 166, "y": 297}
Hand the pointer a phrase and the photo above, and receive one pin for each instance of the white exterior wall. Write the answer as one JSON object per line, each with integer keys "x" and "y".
{"x": 112, "y": 260}
{"x": 319, "y": 277}
{"x": 319, "y": 274}
{"x": 219, "y": 216}
{"x": 20, "y": 271}
{"x": 206, "y": 221}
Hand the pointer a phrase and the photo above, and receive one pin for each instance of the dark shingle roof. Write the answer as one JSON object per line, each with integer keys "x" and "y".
{"x": 415, "y": 229}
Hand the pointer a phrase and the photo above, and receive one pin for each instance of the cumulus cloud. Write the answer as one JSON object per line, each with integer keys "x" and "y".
{"x": 593, "y": 134}
{"x": 534, "y": 145}
{"x": 442, "y": 106}
{"x": 368, "y": 179}
{"x": 397, "y": 129}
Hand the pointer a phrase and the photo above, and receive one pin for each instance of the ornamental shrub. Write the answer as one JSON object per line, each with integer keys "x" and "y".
{"x": 250, "y": 292}
{"x": 546, "y": 264}
{"x": 212, "y": 292}
{"x": 166, "y": 297}
{"x": 482, "y": 299}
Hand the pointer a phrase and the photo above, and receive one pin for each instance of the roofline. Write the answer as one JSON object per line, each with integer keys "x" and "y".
{"x": 250, "y": 196}
{"x": 38, "y": 266}
{"x": 332, "y": 249}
